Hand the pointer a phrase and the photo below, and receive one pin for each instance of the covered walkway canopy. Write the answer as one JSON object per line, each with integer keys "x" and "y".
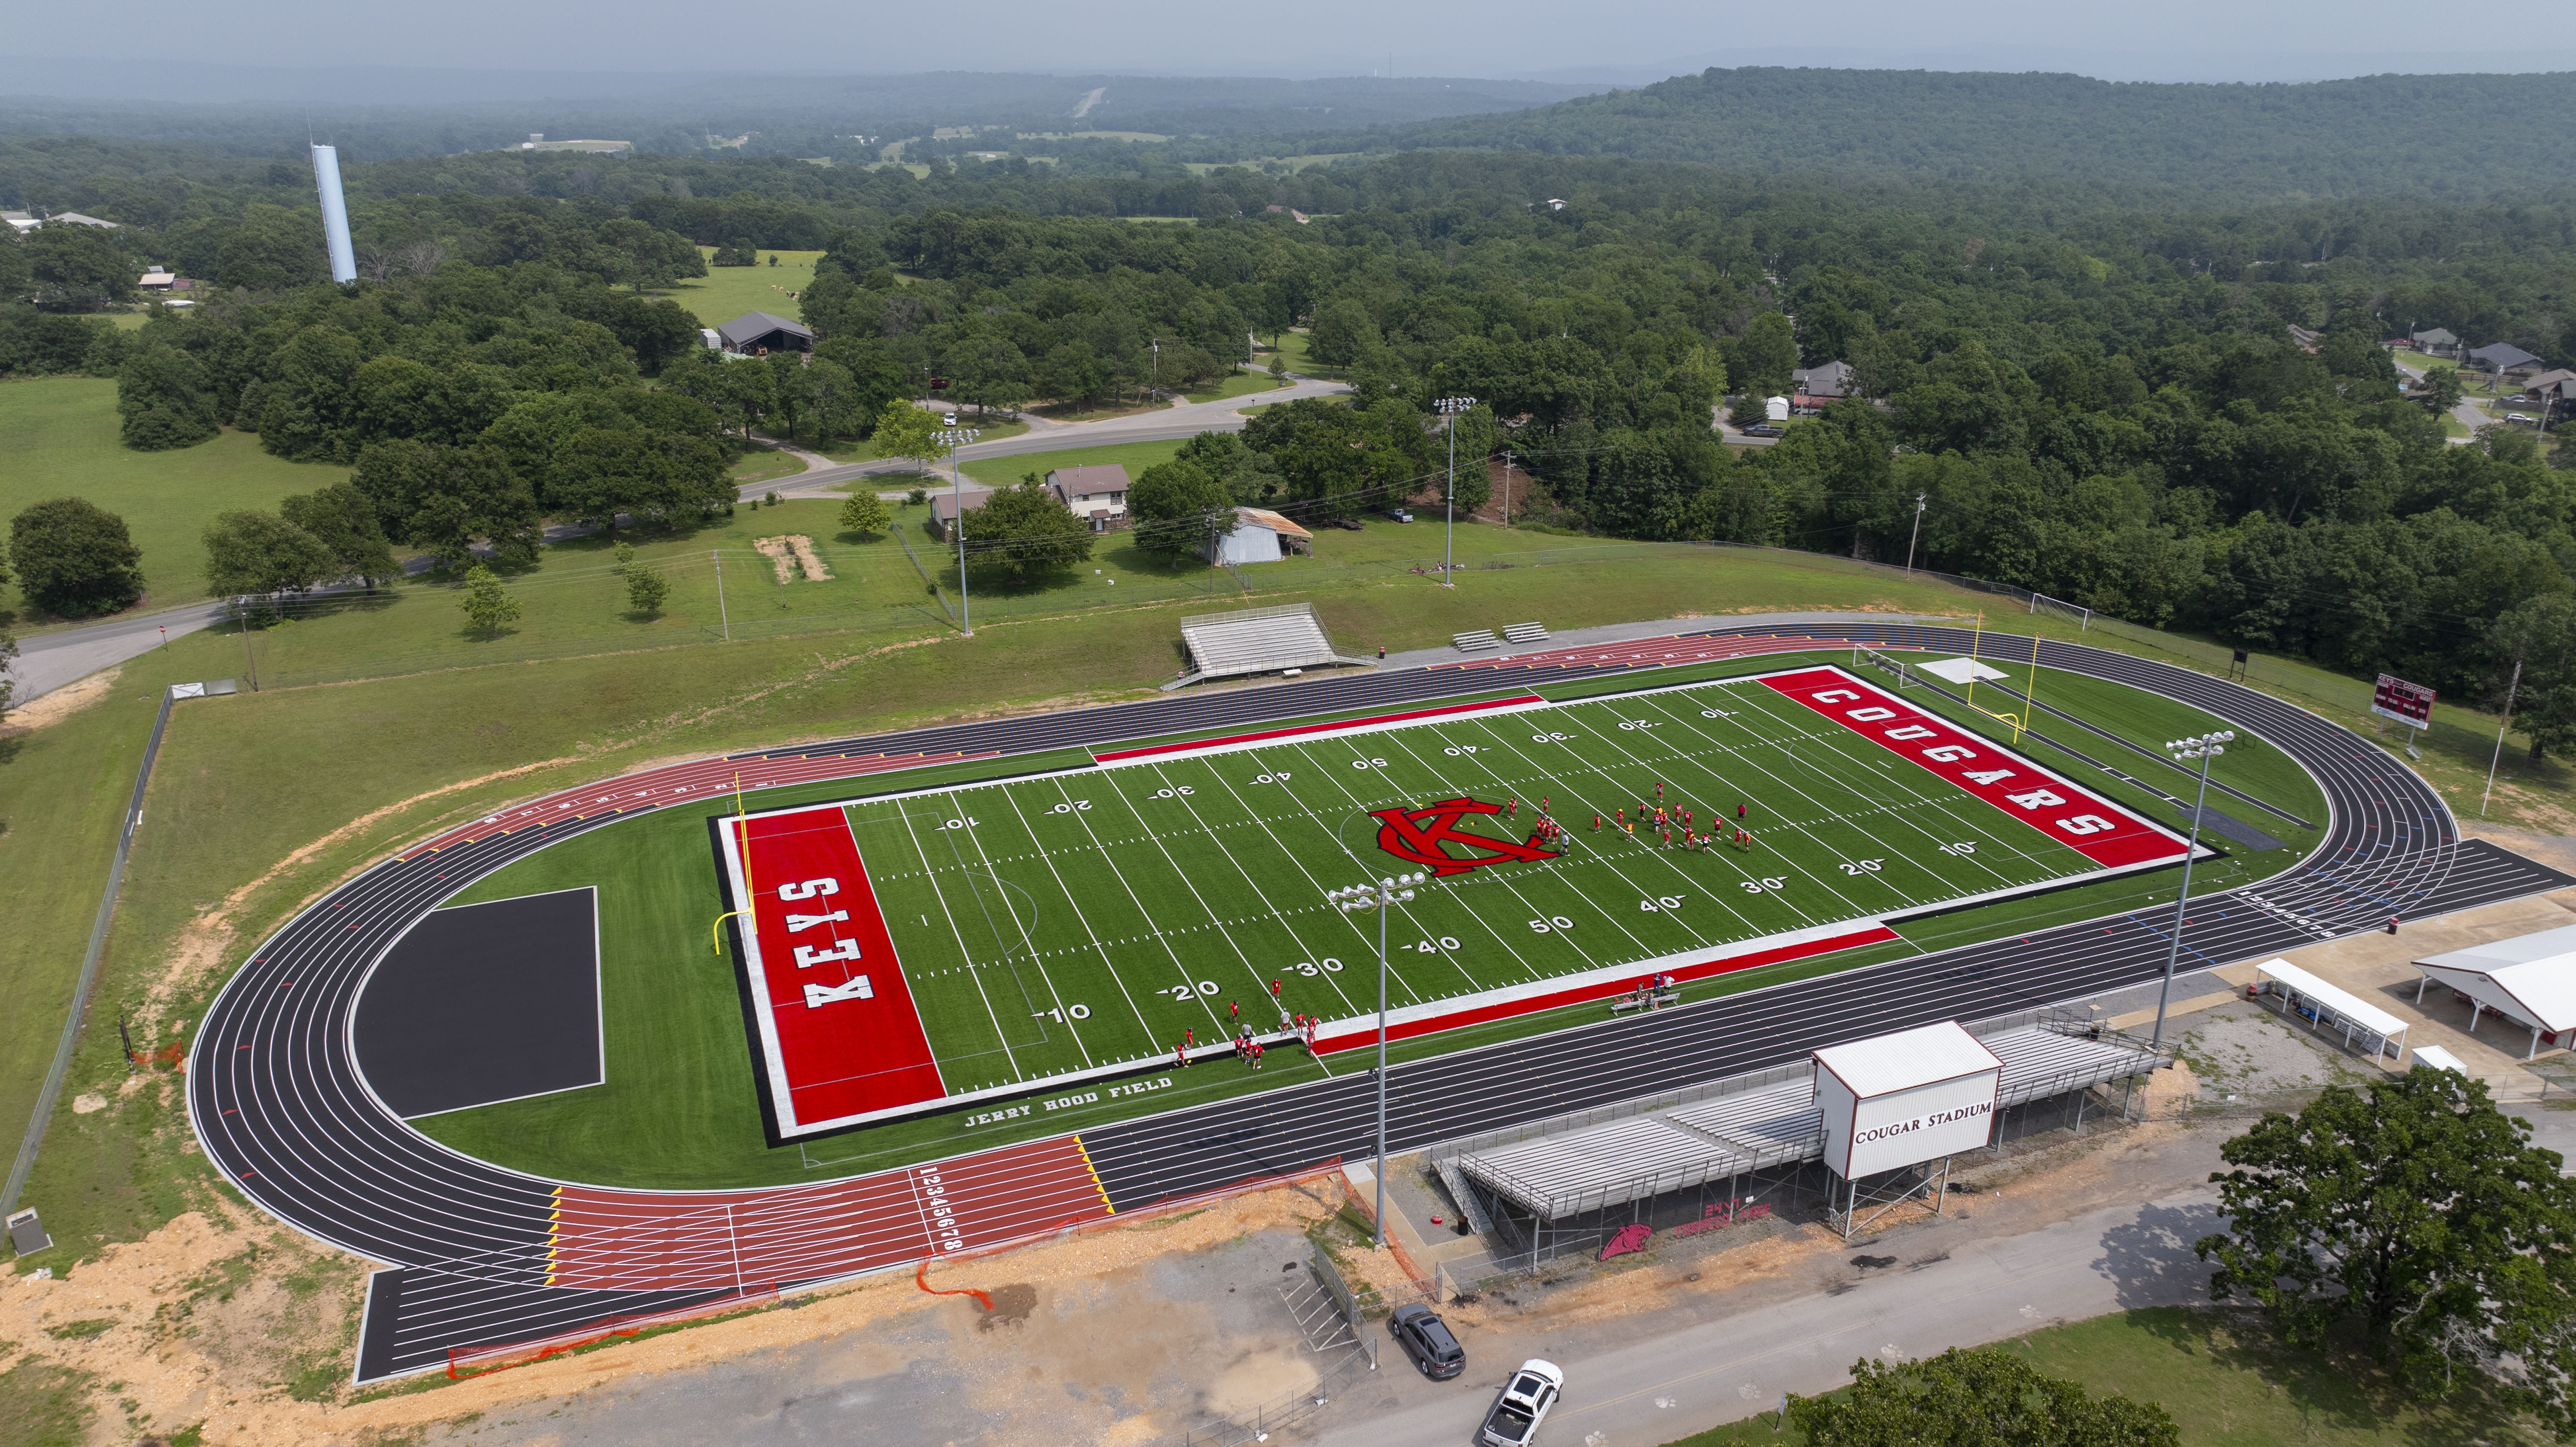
{"x": 2329, "y": 1007}
{"x": 2529, "y": 979}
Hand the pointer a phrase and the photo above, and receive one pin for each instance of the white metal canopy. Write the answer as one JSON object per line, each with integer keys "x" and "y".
{"x": 2330, "y": 1006}
{"x": 1959, "y": 670}
{"x": 2529, "y": 979}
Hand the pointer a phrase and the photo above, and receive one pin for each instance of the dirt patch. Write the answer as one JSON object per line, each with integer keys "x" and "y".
{"x": 791, "y": 556}
{"x": 60, "y": 704}
{"x": 1011, "y": 1306}
{"x": 807, "y": 559}
{"x": 1258, "y": 1379}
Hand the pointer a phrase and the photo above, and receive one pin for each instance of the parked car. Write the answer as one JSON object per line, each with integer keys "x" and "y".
{"x": 1426, "y": 1338}
{"x": 1763, "y": 429}
{"x": 1514, "y": 1418}
{"x": 1398, "y": 515}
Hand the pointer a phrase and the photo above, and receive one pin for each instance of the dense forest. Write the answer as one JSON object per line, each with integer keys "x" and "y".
{"x": 2106, "y": 404}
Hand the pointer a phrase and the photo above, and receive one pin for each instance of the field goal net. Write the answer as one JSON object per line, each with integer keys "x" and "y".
{"x": 1864, "y": 657}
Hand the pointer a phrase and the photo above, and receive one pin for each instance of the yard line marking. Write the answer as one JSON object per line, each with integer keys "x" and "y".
{"x": 962, "y": 952}
{"x": 1282, "y": 915}
{"x": 1145, "y": 1029}
{"x": 1029, "y": 943}
{"x": 1142, "y": 912}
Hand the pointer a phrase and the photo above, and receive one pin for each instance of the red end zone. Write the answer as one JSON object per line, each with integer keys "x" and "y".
{"x": 836, "y": 1018}
{"x": 2084, "y": 821}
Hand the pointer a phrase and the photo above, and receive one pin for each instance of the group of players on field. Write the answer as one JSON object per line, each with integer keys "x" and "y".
{"x": 1658, "y": 819}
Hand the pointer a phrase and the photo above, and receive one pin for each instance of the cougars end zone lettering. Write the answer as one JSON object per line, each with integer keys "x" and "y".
{"x": 2093, "y": 826}
{"x": 1423, "y": 836}
{"x": 831, "y": 996}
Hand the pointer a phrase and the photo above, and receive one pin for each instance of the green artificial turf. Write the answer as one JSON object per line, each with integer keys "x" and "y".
{"x": 59, "y": 435}
{"x": 1151, "y": 909}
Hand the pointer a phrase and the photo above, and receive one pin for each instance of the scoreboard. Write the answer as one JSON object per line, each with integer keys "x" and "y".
{"x": 2408, "y": 703}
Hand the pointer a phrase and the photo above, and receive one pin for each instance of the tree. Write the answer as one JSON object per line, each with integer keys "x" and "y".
{"x": 75, "y": 559}
{"x": 2540, "y": 635}
{"x": 345, "y": 522}
{"x": 1763, "y": 357}
{"x": 1176, "y": 506}
{"x": 645, "y": 590}
{"x": 2420, "y": 1213}
{"x": 601, "y": 472}
{"x": 1343, "y": 333}
{"x": 865, "y": 513}
{"x": 164, "y": 397}
{"x": 1023, "y": 531}
{"x": 78, "y": 268}
{"x": 732, "y": 387}
{"x": 488, "y": 605}
{"x": 904, "y": 430}
{"x": 1982, "y": 1398}
{"x": 440, "y": 499}
{"x": 272, "y": 249}
{"x": 257, "y": 552}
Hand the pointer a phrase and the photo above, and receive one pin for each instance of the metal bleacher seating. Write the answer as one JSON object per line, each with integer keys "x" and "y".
{"x": 1255, "y": 640}
{"x": 1525, "y": 633}
{"x": 1475, "y": 642}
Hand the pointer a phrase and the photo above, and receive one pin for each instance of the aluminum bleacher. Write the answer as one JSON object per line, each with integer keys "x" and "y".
{"x": 1255, "y": 640}
{"x": 1743, "y": 1124}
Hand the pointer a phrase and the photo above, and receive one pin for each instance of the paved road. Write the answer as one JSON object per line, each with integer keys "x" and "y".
{"x": 1654, "y": 1391}
{"x": 2466, "y": 413}
{"x": 48, "y": 661}
{"x": 1186, "y": 420}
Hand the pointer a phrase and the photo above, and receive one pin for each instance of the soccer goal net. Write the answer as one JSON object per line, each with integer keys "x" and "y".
{"x": 1884, "y": 663}
{"x": 2080, "y": 616}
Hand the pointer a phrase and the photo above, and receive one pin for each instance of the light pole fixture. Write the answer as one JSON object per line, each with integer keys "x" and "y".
{"x": 952, "y": 438}
{"x": 1381, "y": 896}
{"x": 2205, "y": 747}
{"x": 1452, "y": 408}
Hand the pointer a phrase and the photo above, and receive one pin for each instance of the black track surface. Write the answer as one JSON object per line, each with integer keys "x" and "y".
{"x": 275, "y": 1100}
{"x": 485, "y": 1003}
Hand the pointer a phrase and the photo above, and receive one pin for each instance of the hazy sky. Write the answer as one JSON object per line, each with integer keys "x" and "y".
{"x": 1622, "y": 40}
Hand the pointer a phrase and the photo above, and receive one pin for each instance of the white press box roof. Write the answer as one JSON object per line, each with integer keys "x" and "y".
{"x": 1907, "y": 1060}
{"x": 2532, "y": 977}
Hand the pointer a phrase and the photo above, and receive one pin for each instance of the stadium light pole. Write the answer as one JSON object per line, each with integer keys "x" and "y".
{"x": 951, "y": 437}
{"x": 1381, "y": 896}
{"x": 2205, "y": 747}
{"x": 1451, "y": 408}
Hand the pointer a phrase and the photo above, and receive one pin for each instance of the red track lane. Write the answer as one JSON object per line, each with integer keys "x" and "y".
{"x": 758, "y": 1239}
{"x": 1298, "y": 730}
{"x": 834, "y": 1008}
{"x": 1652, "y": 652}
{"x": 1606, "y": 989}
{"x": 2057, "y": 807}
{"x": 677, "y": 784}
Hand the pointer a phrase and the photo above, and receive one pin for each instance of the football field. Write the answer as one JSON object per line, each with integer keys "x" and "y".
{"x": 929, "y": 949}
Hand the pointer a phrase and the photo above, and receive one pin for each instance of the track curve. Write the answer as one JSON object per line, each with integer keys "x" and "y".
{"x": 280, "y": 1107}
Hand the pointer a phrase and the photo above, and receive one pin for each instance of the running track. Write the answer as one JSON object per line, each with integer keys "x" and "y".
{"x": 486, "y": 1255}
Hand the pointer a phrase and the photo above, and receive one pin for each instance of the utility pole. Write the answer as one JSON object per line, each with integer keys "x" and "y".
{"x": 1451, "y": 407}
{"x": 950, "y": 437}
{"x": 1381, "y": 896}
{"x": 1507, "y": 487}
{"x": 721, "y": 615}
{"x": 2510, "y": 690}
{"x": 2204, "y": 748}
{"x": 1910, "y": 538}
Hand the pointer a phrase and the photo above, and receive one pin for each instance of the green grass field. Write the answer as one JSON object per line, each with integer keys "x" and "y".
{"x": 60, "y": 436}
{"x": 726, "y": 292}
{"x": 2228, "y": 1381}
{"x": 679, "y": 1110}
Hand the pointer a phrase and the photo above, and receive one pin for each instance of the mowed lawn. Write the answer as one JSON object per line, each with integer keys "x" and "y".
{"x": 726, "y": 292}
{"x": 2228, "y": 1381}
{"x": 59, "y": 435}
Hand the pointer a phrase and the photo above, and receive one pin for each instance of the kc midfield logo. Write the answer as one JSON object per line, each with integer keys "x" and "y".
{"x": 1423, "y": 836}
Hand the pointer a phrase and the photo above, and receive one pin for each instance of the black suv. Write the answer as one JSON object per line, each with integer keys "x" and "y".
{"x": 1426, "y": 1339}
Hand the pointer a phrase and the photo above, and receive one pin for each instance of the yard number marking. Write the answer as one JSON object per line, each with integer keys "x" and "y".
{"x": 1559, "y": 738}
{"x": 1759, "y": 886}
{"x": 1962, "y": 847}
{"x": 1280, "y": 777}
{"x": 1307, "y": 967}
{"x": 1078, "y": 1012}
{"x": 1174, "y": 793}
{"x": 1368, "y": 763}
{"x": 1433, "y": 947}
{"x": 1661, "y": 902}
{"x": 809, "y": 888}
{"x": 1551, "y": 923}
{"x": 1859, "y": 867}
{"x": 1073, "y": 807}
{"x": 1183, "y": 993}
